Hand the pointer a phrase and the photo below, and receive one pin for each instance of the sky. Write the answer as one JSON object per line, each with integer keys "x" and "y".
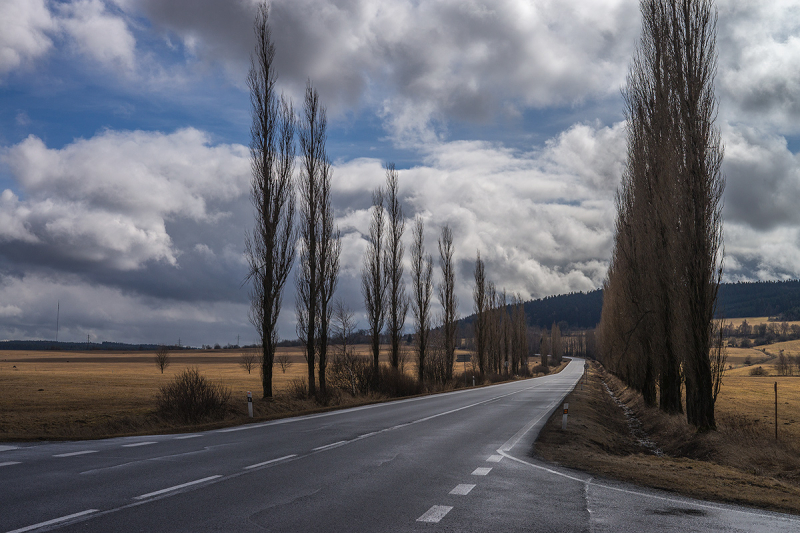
{"x": 124, "y": 159}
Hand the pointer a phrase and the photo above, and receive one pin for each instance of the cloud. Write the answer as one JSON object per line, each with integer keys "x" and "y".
{"x": 98, "y": 33}
{"x": 759, "y": 49}
{"x": 24, "y": 28}
{"x": 109, "y": 199}
{"x": 419, "y": 61}
{"x": 763, "y": 179}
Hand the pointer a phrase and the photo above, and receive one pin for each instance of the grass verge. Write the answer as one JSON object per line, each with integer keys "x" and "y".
{"x": 739, "y": 463}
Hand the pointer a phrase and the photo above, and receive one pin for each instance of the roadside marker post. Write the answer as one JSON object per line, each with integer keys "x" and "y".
{"x": 776, "y": 410}
{"x": 250, "y": 404}
{"x": 473, "y": 381}
{"x": 564, "y": 417}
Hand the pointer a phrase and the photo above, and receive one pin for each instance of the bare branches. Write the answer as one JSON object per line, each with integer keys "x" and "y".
{"x": 320, "y": 243}
{"x": 447, "y": 297}
{"x": 373, "y": 277}
{"x": 422, "y": 283}
{"x": 248, "y": 359}
{"x": 397, "y": 300}
{"x": 270, "y": 247}
{"x": 481, "y": 306}
{"x": 162, "y": 358}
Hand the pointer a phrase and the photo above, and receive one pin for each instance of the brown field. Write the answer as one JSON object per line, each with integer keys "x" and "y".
{"x": 755, "y": 320}
{"x": 56, "y": 395}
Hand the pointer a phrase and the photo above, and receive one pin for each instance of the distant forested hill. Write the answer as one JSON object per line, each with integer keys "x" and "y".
{"x": 779, "y": 299}
{"x": 762, "y": 298}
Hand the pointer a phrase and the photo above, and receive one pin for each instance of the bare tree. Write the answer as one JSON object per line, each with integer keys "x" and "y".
{"x": 248, "y": 359}
{"x": 346, "y": 370}
{"x": 481, "y": 307}
{"x": 162, "y": 358}
{"x": 320, "y": 243}
{"x": 422, "y": 283}
{"x": 270, "y": 247}
{"x": 373, "y": 278}
{"x": 283, "y": 362}
{"x": 448, "y": 298}
{"x": 397, "y": 300}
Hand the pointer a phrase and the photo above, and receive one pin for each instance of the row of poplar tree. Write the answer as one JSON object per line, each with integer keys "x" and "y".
{"x": 657, "y": 329}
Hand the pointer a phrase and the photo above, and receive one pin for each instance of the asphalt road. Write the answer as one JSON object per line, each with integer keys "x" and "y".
{"x": 450, "y": 462}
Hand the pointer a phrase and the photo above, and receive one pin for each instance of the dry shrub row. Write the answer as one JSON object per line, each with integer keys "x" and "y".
{"x": 191, "y": 398}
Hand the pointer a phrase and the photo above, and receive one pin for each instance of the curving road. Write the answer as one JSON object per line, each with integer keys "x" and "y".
{"x": 449, "y": 462}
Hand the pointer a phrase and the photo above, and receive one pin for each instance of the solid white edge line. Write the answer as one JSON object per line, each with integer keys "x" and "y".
{"x": 320, "y": 448}
{"x": 135, "y": 444}
{"x": 9, "y": 463}
{"x": 53, "y": 521}
{"x": 435, "y": 514}
{"x": 270, "y": 461}
{"x": 176, "y": 487}
{"x": 73, "y": 454}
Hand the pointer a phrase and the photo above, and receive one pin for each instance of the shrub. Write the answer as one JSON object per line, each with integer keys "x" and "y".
{"x": 298, "y": 388}
{"x": 540, "y": 369}
{"x": 758, "y": 371}
{"x": 190, "y": 397}
{"x": 395, "y": 383}
{"x": 351, "y": 373}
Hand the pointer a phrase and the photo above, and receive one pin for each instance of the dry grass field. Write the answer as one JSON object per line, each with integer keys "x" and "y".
{"x": 741, "y": 462}
{"x": 753, "y": 321}
{"x": 70, "y": 395}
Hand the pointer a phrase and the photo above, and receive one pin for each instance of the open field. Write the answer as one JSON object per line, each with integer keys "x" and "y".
{"x": 741, "y": 462}
{"x": 755, "y": 320}
{"x": 55, "y": 395}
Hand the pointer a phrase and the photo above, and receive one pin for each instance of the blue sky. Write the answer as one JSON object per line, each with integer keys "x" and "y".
{"x": 124, "y": 129}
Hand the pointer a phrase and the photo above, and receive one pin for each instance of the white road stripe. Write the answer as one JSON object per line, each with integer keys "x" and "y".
{"x": 270, "y": 461}
{"x": 482, "y": 471}
{"x": 72, "y": 454}
{"x": 9, "y": 463}
{"x": 135, "y": 444}
{"x": 5, "y": 448}
{"x": 318, "y": 448}
{"x": 176, "y": 487}
{"x": 53, "y": 521}
{"x": 494, "y": 458}
{"x": 435, "y": 514}
{"x": 462, "y": 489}
{"x": 182, "y": 437}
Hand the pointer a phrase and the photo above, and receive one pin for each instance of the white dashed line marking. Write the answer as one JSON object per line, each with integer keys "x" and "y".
{"x": 482, "y": 471}
{"x": 53, "y": 521}
{"x": 72, "y": 454}
{"x": 319, "y": 448}
{"x": 176, "y": 487}
{"x": 435, "y": 514}
{"x": 5, "y": 448}
{"x": 462, "y": 489}
{"x": 135, "y": 444}
{"x": 270, "y": 461}
{"x": 9, "y": 463}
{"x": 494, "y": 458}
{"x": 182, "y": 437}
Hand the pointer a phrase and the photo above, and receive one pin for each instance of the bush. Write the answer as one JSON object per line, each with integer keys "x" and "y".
{"x": 540, "y": 369}
{"x": 190, "y": 397}
{"x": 350, "y": 373}
{"x": 395, "y": 383}
{"x": 758, "y": 371}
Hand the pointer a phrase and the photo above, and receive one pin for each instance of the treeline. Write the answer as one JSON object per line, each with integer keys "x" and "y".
{"x": 660, "y": 295}
{"x": 746, "y": 335}
{"x": 778, "y": 299}
{"x": 75, "y": 346}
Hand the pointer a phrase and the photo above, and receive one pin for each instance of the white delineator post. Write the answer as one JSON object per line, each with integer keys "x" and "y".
{"x": 564, "y": 417}
{"x": 250, "y": 404}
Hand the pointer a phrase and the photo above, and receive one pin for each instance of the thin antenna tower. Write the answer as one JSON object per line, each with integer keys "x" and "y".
{"x": 58, "y": 313}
